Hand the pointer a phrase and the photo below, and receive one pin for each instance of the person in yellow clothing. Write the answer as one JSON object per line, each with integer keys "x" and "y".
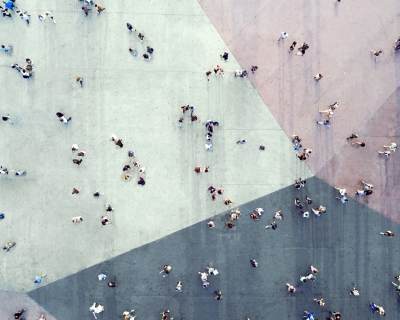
{"x": 99, "y": 8}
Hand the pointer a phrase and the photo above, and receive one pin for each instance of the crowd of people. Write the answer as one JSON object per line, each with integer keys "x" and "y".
{"x": 210, "y": 125}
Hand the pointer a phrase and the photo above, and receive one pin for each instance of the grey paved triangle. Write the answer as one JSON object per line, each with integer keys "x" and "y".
{"x": 344, "y": 244}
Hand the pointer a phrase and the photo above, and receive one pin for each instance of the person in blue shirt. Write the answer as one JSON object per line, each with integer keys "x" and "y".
{"x": 9, "y": 5}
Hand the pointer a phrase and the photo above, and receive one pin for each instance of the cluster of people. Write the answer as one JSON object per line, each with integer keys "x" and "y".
{"x": 328, "y": 114}
{"x": 301, "y": 50}
{"x": 387, "y": 153}
{"x": 204, "y": 275}
{"x": 297, "y": 147}
{"x": 16, "y": 173}
{"x": 86, "y": 10}
{"x": 26, "y": 71}
{"x": 193, "y": 117}
{"x": 18, "y": 314}
{"x": 141, "y": 36}
{"x": 214, "y": 191}
{"x": 310, "y": 276}
{"x": 210, "y": 125}
{"x": 135, "y": 164}
{"x": 9, "y": 7}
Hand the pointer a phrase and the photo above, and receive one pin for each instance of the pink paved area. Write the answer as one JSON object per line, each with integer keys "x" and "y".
{"x": 340, "y": 37}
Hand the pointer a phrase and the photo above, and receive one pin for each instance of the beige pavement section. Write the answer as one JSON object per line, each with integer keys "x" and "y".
{"x": 140, "y": 102}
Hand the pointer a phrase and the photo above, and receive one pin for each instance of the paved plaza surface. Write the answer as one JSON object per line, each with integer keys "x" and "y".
{"x": 164, "y": 222}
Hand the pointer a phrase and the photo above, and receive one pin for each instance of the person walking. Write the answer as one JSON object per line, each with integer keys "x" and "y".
{"x": 80, "y": 81}
{"x": 6, "y": 48}
{"x": 99, "y": 7}
{"x": 130, "y": 28}
{"x": 388, "y": 233}
{"x": 314, "y": 270}
{"x": 385, "y": 153}
{"x": 211, "y": 224}
{"x": 272, "y": 225}
{"x": 352, "y": 136}
{"x": 146, "y": 57}
{"x": 241, "y": 141}
{"x": 254, "y": 263}
{"x": 25, "y": 17}
{"x": 318, "y": 77}
{"x": 254, "y": 69}
{"x": 325, "y": 123}
{"x": 74, "y": 147}
{"x": 224, "y": 56}
{"x": 309, "y": 315}
{"x": 165, "y": 315}
{"x": 179, "y": 286}
{"x": 218, "y": 295}
{"x": 7, "y": 118}
{"x": 141, "y": 37}
{"x": 290, "y": 288}
{"x": 18, "y": 314}
{"x": 97, "y": 194}
{"x": 354, "y": 292}
{"x": 166, "y": 270}
{"x": 392, "y": 147}
{"x": 342, "y": 191}
{"x": 342, "y": 199}
{"x": 180, "y": 121}
{"x": 128, "y": 315}
{"x": 38, "y": 279}
{"x": 41, "y": 18}
{"x": 133, "y": 51}
{"x": 283, "y": 36}
{"x": 229, "y": 225}
{"x": 42, "y": 317}
{"x": 96, "y": 308}
{"x": 292, "y": 46}
{"x": 109, "y": 208}
{"x": 320, "y": 302}
{"x": 359, "y": 143}
{"x": 208, "y": 73}
{"x": 77, "y": 220}
{"x": 49, "y": 15}
{"x": 3, "y": 170}
{"x": 76, "y": 190}
{"x": 335, "y": 314}
{"x": 76, "y": 161}
{"x": 105, "y": 221}
{"x": 228, "y": 201}
{"x": 149, "y": 49}
{"x": 62, "y": 118}
{"x": 86, "y": 11}
{"x": 376, "y": 53}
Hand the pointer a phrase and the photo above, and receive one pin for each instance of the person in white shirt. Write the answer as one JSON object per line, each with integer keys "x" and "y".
{"x": 341, "y": 191}
{"x": 392, "y": 147}
{"x": 283, "y": 35}
{"x": 96, "y": 308}
{"x": 318, "y": 77}
{"x": 77, "y": 220}
{"x": 6, "y": 48}
{"x": 25, "y": 16}
{"x": 49, "y": 15}
{"x": 342, "y": 199}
